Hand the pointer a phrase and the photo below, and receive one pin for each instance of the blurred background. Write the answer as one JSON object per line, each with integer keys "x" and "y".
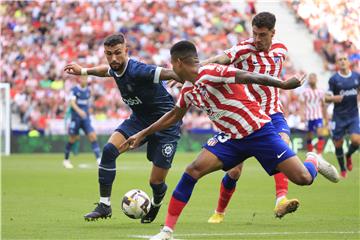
{"x": 38, "y": 38}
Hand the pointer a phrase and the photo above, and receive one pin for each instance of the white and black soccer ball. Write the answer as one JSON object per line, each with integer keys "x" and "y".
{"x": 135, "y": 204}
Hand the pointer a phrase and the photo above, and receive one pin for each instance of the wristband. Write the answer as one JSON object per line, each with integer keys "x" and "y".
{"x": 84, "y": 71}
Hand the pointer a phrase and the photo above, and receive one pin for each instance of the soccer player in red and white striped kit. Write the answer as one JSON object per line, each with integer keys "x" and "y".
{"x": 245, "y": 130}
{"x": 260, "y": 54}
{"x": 313, "y": 99}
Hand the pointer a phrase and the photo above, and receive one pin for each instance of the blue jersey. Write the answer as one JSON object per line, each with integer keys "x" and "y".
{"x": 142, "y": 90}
{"x": 82, "y": 99}
{"x": 347, "y": 86}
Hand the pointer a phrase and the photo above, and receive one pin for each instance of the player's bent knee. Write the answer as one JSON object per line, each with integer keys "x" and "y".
{"x": 355, "y": 140}
{"x": 235, "y": 172}
{"x": 92, "y": 136}
{"x": 194, "y": 171}
{"x": 110, "y": 153}
{"x": 72, "y": 138}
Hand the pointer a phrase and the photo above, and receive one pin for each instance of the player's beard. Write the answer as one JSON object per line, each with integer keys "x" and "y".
{"x": 116, "y": 66}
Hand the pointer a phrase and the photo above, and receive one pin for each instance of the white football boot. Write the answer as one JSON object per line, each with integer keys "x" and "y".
{"x": 165, "y": 234}
{"x": 325, "y": 168}
{"x": 67, "y": 164}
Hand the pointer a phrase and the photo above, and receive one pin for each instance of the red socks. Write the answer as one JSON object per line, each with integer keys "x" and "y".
{"x": 281, "y": 184}
{"x": 320, "y": 145}
{"x": 224, "y": 198}
{"x": 174, "y": 210}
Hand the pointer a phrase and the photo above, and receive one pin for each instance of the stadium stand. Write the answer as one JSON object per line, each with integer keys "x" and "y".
{"x": 336, "y": 27}
{"x": 48, "y": 36}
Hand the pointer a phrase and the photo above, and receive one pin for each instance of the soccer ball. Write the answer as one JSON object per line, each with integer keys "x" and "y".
{"x": 135, "y": 204}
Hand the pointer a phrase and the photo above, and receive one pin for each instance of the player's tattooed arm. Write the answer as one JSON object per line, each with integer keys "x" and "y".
{"x": 219, "y": 59}
{"x": 170, "y": 118}
{"x": 76, "y": 69}
{"x": 168, "y": 74}
{"x": 246, "y": 77}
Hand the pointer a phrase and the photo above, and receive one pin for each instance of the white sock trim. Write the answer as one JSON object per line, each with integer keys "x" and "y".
{"x": 167, "y": 229}
{"x": 105, "y": 200}
{"x": 279, "y": 199}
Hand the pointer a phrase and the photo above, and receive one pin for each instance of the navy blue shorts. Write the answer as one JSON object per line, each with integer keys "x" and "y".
{"x": 312, "y": 125}
{"x": 344, "y": 125}
{"x": 264, "y": 144}
{"x": 280, "y": 123}
{"x": 161, "y": 146}
{"x": 77, "y": 123}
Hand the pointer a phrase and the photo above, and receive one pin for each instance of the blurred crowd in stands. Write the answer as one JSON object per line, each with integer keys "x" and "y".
{"x": 39, "y": 37}
{"x": 335, "y": 25}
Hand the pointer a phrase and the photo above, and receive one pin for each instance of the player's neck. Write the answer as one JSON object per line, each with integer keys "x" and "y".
{"x": 344, "y": 72}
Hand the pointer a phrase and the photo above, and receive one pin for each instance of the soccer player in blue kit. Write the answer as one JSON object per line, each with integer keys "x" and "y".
{"x": 80, "y": 119}
{"x": 141, "y": 89}
{"x": 344, "y": 87}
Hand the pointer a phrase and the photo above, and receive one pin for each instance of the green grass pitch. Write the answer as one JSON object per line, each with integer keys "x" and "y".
{"x": 42, "y": 200}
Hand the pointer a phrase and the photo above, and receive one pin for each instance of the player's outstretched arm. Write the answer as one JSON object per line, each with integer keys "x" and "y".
{"x": 169, "y": 74}
{"x": 76, "y": 69}
{"x": 245, "y": 77}
{"x": 219, "y": 59}
{"x": 164, "y": 122}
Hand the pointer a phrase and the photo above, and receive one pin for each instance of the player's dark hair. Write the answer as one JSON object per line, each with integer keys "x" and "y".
{"x": 264, "y": 19}
{"x": 183, "y": 49}
{"x": 114, "y": 39}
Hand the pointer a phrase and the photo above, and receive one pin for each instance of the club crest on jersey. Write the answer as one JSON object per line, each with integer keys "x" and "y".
{"x": 167, "y": 150}
{"x": 212, "y": 142}
{"x": 277, "y": 59}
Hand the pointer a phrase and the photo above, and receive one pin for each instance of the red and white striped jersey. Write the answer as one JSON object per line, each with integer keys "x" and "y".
{"x": 313, "y": 99}
{"x": 230, "y": 106}
{"x": 245, "y": 56}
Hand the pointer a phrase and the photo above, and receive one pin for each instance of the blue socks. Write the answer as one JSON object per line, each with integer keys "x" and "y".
{"x": 68, "y": 149}
{"x": 228, "y": 182}
{"x": 184, "y": 188}
{"x": 340, "y": 157}
{"x": 159, "y": 191}
{"x": 107, "y": 169}
{"x": 96, "y": 149}
{"x": 352, "y": 149}
{"x": 312, "y": 169}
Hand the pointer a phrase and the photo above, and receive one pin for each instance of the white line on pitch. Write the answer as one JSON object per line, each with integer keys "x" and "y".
{"x": 246, "y": 234}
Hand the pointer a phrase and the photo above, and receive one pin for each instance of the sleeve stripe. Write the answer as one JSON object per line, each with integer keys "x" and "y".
{"x": 157, "y": 74}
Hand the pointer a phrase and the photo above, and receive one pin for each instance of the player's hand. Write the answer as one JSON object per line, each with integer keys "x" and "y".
{"x": 82, "y": 114}
{"x": 337, "y": 98}
{"x": 294, "y": 82}
{"x": 133, "y": 141}
{"x": 73, "y": 68}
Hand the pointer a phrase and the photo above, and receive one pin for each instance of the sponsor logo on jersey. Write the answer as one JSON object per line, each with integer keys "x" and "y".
{"x": 211, "y": 114}
{"x": 167, "y": 149}
{"x": 350, "y": 92}
{"x": 132, "y": 101}
{"x": 82, "y": 101}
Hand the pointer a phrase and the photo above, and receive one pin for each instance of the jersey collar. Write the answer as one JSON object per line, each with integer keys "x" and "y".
{"x": 345, "y": 76}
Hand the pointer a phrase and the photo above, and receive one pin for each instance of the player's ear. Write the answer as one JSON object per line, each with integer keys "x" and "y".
{"x": 273, "y": 32}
